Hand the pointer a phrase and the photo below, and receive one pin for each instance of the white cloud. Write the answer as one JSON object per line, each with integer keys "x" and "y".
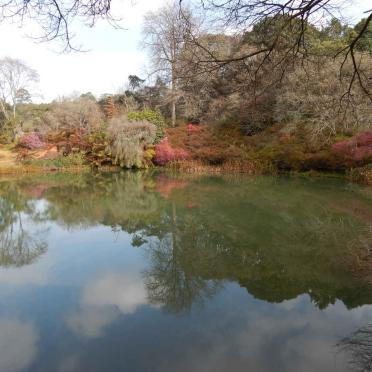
{"x": 123, "y": 290}
{"x": 112, "y": 54}
{"x": 98, "y": 70}
{"x": 27, "y": 275}
{"x": 355, "y": 10}
{"x": 18, "y": 345}
{"x": 90, "y": 322}
{"x": 293, "y": 337}
{"x": 104, "y": 300}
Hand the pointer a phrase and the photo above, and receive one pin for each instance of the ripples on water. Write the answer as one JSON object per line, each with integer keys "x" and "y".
{"x": 152, "y": 272}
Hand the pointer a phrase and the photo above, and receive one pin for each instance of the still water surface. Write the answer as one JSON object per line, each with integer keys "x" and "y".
{"x": 152, "y": 272}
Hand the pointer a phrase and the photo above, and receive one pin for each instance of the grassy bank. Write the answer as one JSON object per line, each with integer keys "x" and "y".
{"x": 10, "y": 163}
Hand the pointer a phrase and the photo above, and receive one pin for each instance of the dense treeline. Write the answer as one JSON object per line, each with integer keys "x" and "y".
{"x": 285, "y": 94}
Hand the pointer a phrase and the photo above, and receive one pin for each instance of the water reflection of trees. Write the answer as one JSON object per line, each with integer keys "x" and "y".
{"x": 358, "y": 348}
{"x": 360, "y": 255}
{"x": 122, "y": 201}
{"x": 276, "y": 239}
{"x": 276, "y": 253}
{"x": 171, "y": 280}
{"x": 18, "y": 245}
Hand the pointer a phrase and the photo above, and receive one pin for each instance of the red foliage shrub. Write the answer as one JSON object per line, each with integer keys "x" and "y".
{"x": 72, "y": 140}
{"x": 94, "y": 144}
{"x": 192, "y": 128}
{"x": 31, "y": 141}
{"x": 36, "y": 191}
{"x": 165, "y": 153}
{"x": 358, "y": 149}
{"x": 22, "y": 154}
{"x": 206, "y": 144}
{"x": 191, "y": 205}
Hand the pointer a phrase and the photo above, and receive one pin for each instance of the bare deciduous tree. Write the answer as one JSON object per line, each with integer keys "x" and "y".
{"x": 311, "y": 96}
{"x": 16, "y": 78}
{"x": 165, "y": 34}
{"x": 69, "y": 113}
{"x": 283, "y": 18}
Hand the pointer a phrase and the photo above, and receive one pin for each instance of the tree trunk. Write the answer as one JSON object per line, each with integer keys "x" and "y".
{"x": 3, "y": 108}
{"x": 173, "y": 88}
{"x": 173, "y": 111}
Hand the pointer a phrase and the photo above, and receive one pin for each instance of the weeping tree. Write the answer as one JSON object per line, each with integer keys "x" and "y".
{"x": 128, "y": 141}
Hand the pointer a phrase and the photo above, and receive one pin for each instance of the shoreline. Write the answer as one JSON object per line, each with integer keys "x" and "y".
{"x": 187, "y": 168}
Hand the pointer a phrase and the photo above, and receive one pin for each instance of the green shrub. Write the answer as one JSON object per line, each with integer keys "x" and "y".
{"x": 152, "y": 116}
{"x": 8, "y": 133}
{"x": 361, "y": 175}
{"x": 72, "y": 160}
{"x": 6, "y": 137}
{"x": 284, "y": 156}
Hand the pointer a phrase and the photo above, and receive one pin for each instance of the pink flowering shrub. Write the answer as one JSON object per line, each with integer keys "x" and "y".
{"x": 357, "y": 149}
{"x": 344, "y": 147}
{"x": 364, "y": 138}
{"x": 165, "y": 153}
{"x": 31, "y": 141}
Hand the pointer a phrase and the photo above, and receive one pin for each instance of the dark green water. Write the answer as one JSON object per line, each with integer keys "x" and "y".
{"x": 140, "y": 272}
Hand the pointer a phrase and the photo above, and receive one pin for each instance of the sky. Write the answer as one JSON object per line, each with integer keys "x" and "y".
{"x": 111, "y": 54}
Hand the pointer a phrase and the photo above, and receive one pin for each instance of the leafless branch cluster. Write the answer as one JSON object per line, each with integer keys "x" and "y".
{"x": 350, "y": 53}
{"x": 286, "y": 28}
{"x": 55, "y": 17}
{"x": 358, "y": 346}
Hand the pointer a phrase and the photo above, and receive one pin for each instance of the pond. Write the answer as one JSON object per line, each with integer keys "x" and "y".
{"x": 161, "y": 272}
